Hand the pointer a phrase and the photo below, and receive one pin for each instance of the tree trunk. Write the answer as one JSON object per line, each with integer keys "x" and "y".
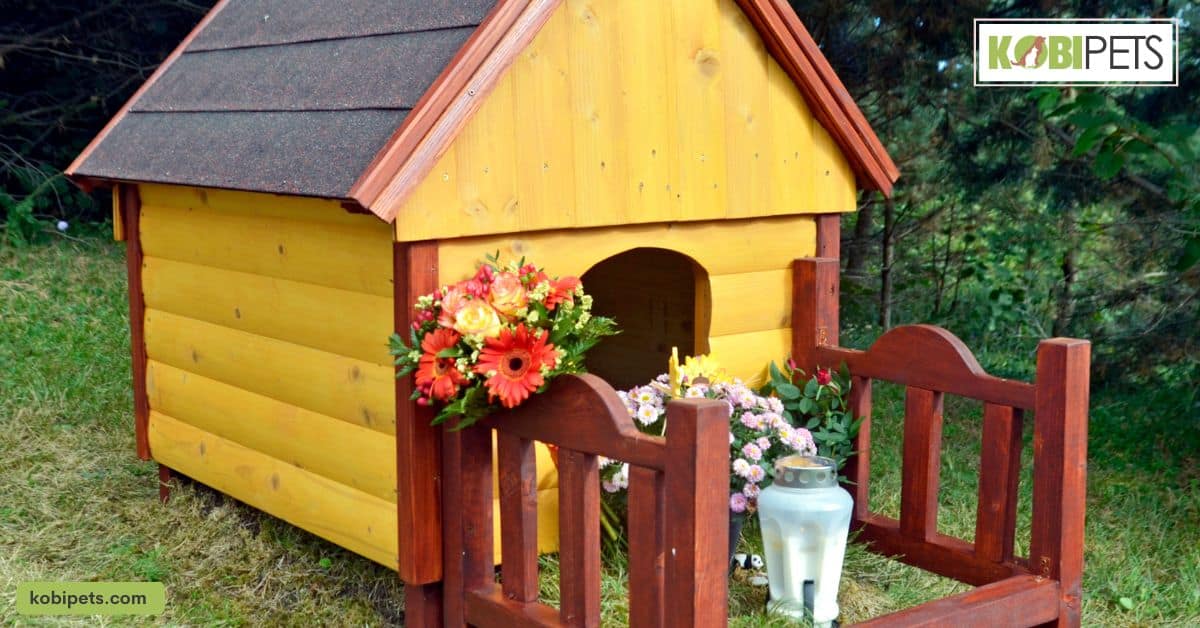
{"x": 856, "y": 253}
{"x": 1064, "y": 309}
{"x": 885, "y": 269}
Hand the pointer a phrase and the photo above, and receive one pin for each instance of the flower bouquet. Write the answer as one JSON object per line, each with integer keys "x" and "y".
{"x": 819, "y": 403}
{"x": 493, "y": 340}
{"x": 759, "y": 433}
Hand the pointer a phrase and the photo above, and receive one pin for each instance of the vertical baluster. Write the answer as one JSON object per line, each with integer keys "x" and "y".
{"x": 478, "y": 533}
{"x": 1060, "y": 469}
{"x": 518, "y": 517}
{"x": 922, "y": 463}
{"x": 999, "y": 475}
{"x": 579, "y": 534}
{"x": 452, "y": 536}
{"x": 697, "y": 497}
{"x": 858, "y": 469}
{"x": 647, "y": 522}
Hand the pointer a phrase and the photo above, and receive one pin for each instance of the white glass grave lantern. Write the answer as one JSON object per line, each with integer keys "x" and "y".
{"x": 805, "y": 517}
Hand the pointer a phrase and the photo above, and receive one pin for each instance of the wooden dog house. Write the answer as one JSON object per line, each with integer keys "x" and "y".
{"x": 297, "y": 172}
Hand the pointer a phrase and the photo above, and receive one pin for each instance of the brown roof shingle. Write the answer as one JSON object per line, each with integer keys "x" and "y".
{"x": 285, "y": 96}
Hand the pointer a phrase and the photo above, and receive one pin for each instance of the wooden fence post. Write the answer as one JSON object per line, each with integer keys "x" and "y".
{"x": 814, "y": 309}
{"x": 1060, "y": 469}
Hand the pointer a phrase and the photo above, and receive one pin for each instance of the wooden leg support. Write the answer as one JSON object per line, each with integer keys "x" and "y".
{"x": 423, "y": 605}
{"x": 164, "y": 483}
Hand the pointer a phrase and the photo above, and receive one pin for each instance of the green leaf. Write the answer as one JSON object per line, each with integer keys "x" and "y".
{"x": 1108, "y": 164}
{"x": 787, "y": 391}
{"x": 811, "y": 388}
{"x": 1191, "y": 255}
{"x": 325, "y": 563}
{"x": 777, "y": 376}
{"x": 1126, "y": 603}
{"x": 1088, "y": 139}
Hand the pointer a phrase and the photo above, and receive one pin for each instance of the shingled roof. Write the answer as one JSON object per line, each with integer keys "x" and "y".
{"x": 354, "y": 100}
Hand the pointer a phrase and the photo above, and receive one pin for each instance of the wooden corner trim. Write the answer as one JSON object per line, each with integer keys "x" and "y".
{"x": 447, "y": 105}
{"x": 797, "y": 53}
{"x": 71, "y": 170}
{"x": 130, "y": 208}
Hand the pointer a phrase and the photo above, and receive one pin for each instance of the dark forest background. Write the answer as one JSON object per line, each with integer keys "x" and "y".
{"x": 1021, "y": 213}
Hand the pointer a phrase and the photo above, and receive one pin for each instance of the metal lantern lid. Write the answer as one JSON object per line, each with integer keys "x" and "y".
{"x": 805, "y": 472}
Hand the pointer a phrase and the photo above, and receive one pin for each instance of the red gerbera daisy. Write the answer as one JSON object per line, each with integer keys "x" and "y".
{"x": 514, "y": 360}
{"x": 561, "y": 290}
{"x": 438, "y": 377}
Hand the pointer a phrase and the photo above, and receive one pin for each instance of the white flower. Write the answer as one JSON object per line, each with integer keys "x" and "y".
{"x": 751, "y": 490}
{"x": 741, "y": 467}
{"x": 647, "y": 414}
{"x": 62, "y": 225}
{"x": 695, "y": 392}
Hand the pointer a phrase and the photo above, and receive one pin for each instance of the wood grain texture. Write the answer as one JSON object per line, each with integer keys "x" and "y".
{"x": 453, "y": 589}
{"x": 357, "y": 456}
{"x": 344, "y": 388}
{"x": 922, "y": 463}
{"x": 517, "y": 473}
{"x": 488, "y": 607}
{"x": 296, "y": 312}
{"x": 118, "y": 216}
{"x": 1016, "y": 601}
{"x": 354, "y": 257}
{"x": 999, "y": 475}
{"x": 423, "y": 605}
{"x": 350, "y": 518}
{"x": 1060, "y": 469}
{"x": 131, "y": 209}
{"x": 829, "y": 235}
{"x": 858, "y": 467}
{"x": 584, "y": 130}
{"x": 924, "y": 356}
{"x": 815, "y": 298}
{"x": 418, "y": 461}
{"x": 647, "y": 516}
{"x": 579, "y": 531}
{"x": 695, "y": 491}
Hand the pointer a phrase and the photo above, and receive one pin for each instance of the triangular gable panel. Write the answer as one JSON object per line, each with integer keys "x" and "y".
{"x": 594, "y": 87}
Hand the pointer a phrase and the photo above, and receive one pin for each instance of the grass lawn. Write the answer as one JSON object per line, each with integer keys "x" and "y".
{"x": 76, "y": 504}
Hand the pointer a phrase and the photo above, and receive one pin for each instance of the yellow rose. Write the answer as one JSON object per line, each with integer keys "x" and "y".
{"x": 477, "y": 318}
{"x": 507, "y": 294}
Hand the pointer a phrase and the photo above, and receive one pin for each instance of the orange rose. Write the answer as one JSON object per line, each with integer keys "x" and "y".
{"x": 508, "y": 294}
{"x": 455, "y": 299}
{"x": 477, "y": 318}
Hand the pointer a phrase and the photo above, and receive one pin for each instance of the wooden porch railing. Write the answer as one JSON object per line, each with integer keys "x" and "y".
{"x": 1043, "y": 589}
{"x": 677, "y": 572}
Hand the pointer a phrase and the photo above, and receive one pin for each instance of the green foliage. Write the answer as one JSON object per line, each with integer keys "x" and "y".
{"x": 818, "y": 404}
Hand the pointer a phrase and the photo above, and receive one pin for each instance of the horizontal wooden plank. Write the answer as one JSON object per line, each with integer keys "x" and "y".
{"x": 748, "y": 302}
{"x": 747, "y": 355}
{"x": 348, "y": 323}
{"x": 943, "y": 555}
{"x": 348, "y": 257}
{"x": 490, "y": 608}
{"x": 253, "y": 204}
{"x": 358, "y": 457}
{"x": 344, "y": 388}
{"x": 721, "y": 247}
{"x": 350, "y": 518}
{"x": 1016, "y": 601}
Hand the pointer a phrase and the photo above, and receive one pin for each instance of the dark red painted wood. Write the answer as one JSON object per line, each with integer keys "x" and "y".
{"x": 453, "y": 589}
{"x": 164, "y": 483}
{"x": 696, "y": 492}
{"x": 418, "y": 444}
{"x": 579, "y": 537}
{"x": 1016, "y": 601}
{"x": 488, "y": 607}
{"x": 131, "y": 215}
{"x": 1060, "y": 469}
{"x": 815, "y": 288}
{"x": 647, "y": 547}
{"x": 518, "y": 510}
{"x": 922, "y": 462}
{"x": 829, "y": 235}
{"x": 999, "y": 475}
{"x": 858, "y": 467}
{"x": 423, "y": 605}
{"x": 944, "y": 555}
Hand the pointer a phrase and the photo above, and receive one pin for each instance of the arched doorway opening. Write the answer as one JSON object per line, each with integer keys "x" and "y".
{"x": 660, "y": 299}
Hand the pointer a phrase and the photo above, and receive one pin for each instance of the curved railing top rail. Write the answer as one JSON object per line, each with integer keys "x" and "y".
{"x": 929, "y": 357}
{"x": 590, "y": 417}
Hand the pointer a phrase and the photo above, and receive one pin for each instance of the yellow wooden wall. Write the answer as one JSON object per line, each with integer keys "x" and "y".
{"x": 269, "y": 378}
{"x": 748, "y": 263}
{"x": 626, "y": 111}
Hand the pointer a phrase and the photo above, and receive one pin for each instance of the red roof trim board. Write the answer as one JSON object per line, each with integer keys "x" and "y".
{"x": 87, "y": 183}
{"x": 436, "y": 119}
